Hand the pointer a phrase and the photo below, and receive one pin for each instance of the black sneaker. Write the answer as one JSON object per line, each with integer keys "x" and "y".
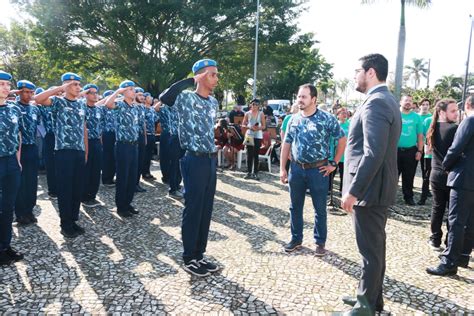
{"x": 139, "y": 189}
{"x": 109, "y": 185}
{"x": 209, "y": 266}
{"x": 69, "y": 233}
{"x": 91, "y": 203}
{"x": 255, "y": 176}
{"x": 194, "y": 268}
{"x": 132, "y": 210}
{"x": 176, "y": 195}
{"x": 293, "y": 245}
{"x": 23, "y": 220}
{"x": 410, "y": 202}
{"x": 248, "y": 176}
{"x": 434, "y": 245}
{"x": 78, "y": 229}
{"x": 124, "y": 213}
{"x": 32, "y": 218}
{"x": 16, "y": 256}
{"x": 52, "y": 196}
{"x": 5, "y": 259}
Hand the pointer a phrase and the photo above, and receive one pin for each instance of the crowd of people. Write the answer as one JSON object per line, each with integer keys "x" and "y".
{"x": 90, "y": 138}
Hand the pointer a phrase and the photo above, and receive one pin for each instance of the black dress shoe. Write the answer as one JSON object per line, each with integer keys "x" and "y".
{"x": 78, "y": 229}
{"x": 16, "y": 256}
{"x": 69, "y": 233}
{"x": 443, "y": 270}
{"x": 132, "y": 210}
{"x": 351, "y": 301}
{"x": 138, "y": 188}
{"x": 124, "y": 213}
{"x": 5, "y": 259}
{"x": 422, "y": 202}
{"x": 23, "y": 220}
{"x": 410, "y": 202}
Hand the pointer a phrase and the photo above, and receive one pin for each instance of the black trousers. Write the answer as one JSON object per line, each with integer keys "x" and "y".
{"x": 438, "y": 208}
{"x": 108, "y": 161}
{"x": 407, "y": 168}
{"x": 141, "y": 156}
{"x": 369, "y": 223}
{"x": 26, "y": 198}
{"x": 48, "y": 154}
{"x": 70, "y": 166}
{"x": 425, "y": 172}
{"x": 252, "y": 156}
{"x": 9, "y": 184}
{"x": 92, "y": 174}
{"x": 165, "y": 156}
{"x": 175, "y": 154}
{"x": 340, "y": 167}
{"x": 127, "y": 161}
{"x": 461, "y": 226}
{"x": 149, "y": 149}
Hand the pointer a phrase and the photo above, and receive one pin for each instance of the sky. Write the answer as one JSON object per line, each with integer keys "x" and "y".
{"x": 348, "y": 30}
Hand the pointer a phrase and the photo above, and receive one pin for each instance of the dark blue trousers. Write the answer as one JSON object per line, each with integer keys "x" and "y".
{"x": 141, "y": 156}
{"x": 175, "y": 154}
{"x": 26, "y": 197}
{"x": 48, "y": 154}
{"x": 461, "y": 226}
{"x": 108, "y": 161}
{"x": 9, "y": 184}
{"x": 150, "y": 147}
{"x": 164, "y": 155}
{"x": 70, "y": 168}
{"x": 127, "y": 161}
{"x": 92, "y": 174}
{"x": 199, "y": 175}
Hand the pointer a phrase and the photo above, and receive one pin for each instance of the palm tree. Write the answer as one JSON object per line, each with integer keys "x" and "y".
{"x": 417, "y": 70}
{"x": 450, "y": 86}
{"x": 402, "y": 39}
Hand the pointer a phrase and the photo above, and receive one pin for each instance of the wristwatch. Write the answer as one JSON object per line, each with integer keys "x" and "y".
{"x": 332, "y": 163}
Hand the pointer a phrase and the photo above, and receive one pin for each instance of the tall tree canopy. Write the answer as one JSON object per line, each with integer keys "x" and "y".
{"x": 156, "y": 42}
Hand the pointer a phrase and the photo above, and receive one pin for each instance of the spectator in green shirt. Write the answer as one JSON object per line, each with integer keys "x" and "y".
{"x": 410, "y": 147}
{"x": 425, "y": 161}
{"x": 343, "y": 119}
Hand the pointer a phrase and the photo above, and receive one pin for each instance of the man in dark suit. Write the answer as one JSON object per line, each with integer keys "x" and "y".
{"x": 370, "y": 185}
{"x": 459, "y": 161}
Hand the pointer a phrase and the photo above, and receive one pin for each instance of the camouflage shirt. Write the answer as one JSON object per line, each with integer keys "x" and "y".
{"x": 310, "y": 137}
{"x": 151, "y": 117}
{"x": 10, "y": 121}
{"x": 47, "y": 118}
{"x": 94, "y": 119}
{"x": 70, "y": 117}
{"x": 141, "y": 110}
{"x": 173, "y": 121}
{"x": 196, "y": 117}
{"x": 109, "y": 119}
{"x": 126, "y": 128}
{"x": 31, "y": 117}
{"x": 164, "y": 117}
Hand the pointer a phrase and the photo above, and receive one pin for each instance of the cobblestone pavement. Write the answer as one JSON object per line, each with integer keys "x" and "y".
{"x": 133, "y": 265}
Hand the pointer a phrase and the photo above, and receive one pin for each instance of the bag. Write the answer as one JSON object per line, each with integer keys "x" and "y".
{"x": 248, "y": 140}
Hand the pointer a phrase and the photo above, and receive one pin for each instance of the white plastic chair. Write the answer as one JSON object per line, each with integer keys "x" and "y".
{"x": 268, "y": 157}
{"x": 240, "y": 157}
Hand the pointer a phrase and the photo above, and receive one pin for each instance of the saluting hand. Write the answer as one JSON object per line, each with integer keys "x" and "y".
{"x": 200, "y": 77}
{"x": 67, "y": 84}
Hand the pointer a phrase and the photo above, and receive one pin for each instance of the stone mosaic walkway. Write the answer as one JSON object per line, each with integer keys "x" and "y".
{"x": 133, "y": 265}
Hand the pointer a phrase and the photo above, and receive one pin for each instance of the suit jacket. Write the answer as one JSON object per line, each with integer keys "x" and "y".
{"x": 370, "y": 163}
{"x": 459, "y": 160}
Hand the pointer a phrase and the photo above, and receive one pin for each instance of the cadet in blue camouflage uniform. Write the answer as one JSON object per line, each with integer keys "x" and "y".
{"x": 175, "y": 154}
{"x": 95, "y": 123}
{"x": 26, "y": 198}
{"x": 196, "y": 114}
{"x": 10, "y": 168}
{"x": 108, "y": 143}
{"x": 308, "y": 139}
{"x": 164, "y": 118}
{"x": 48, "y": 148}
{"x": 141, "y": 110}
{"x": 126, "y": 147}
{"x": 70, "y": 149}
{"x": 151, "y": 118}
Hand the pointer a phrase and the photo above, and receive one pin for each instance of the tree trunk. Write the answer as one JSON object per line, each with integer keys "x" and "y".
{"x": 400, "y": 53}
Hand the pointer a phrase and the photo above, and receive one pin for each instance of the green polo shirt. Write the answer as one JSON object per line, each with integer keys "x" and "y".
{"x": 411, "y": 127}
{"x": 345, "y": 128}
{"x": 426, "y": 125}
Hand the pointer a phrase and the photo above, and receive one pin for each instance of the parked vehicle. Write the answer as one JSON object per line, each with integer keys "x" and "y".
{"x": 280, "y": 107}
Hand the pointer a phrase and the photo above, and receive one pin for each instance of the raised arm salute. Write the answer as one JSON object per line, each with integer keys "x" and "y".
{"x": 196, "y": 112}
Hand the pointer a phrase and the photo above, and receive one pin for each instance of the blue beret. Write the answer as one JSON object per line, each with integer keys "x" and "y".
{"x": 137, "y": 90}
{"x": 25, "y": 84}
{"x": 39, "y": 90}
{"x": 91, "y": 85}
{"x": 107, "y": 93}
{"x": 127, "y": 83}
{"x": 203, "y": 63}
{"x": 70, "y": 76}
{"x": 147, "y": 94}
{"x": 5, "y": 75}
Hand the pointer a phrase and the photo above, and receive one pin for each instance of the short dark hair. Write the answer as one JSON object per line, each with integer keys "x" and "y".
{"x": 312, "y": 89}
{"x": 425, "y": 100}
{"x": 378, "y": 62}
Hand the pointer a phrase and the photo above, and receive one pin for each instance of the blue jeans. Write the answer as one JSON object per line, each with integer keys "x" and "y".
{"x": 299, "y": 180}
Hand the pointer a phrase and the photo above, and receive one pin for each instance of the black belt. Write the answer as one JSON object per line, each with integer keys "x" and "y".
{"x": 201, "y": 154}
{"x": 407, "y": 148}
{"x": 127, "y": 142}
{"x": 312, "y": 165}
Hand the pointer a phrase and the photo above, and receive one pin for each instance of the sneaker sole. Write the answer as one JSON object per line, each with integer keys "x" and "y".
{"x": 194, "y": 273}
{"x": 293, "y": 249}
{"x": 320, "y": 254}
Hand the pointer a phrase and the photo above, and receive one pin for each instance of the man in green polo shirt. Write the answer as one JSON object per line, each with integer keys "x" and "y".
{"x": 425, "y": 162}
{"x": 410, "y": 147}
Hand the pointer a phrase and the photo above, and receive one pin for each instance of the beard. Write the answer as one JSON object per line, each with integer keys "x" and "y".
{"x": 361, "y": 87}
